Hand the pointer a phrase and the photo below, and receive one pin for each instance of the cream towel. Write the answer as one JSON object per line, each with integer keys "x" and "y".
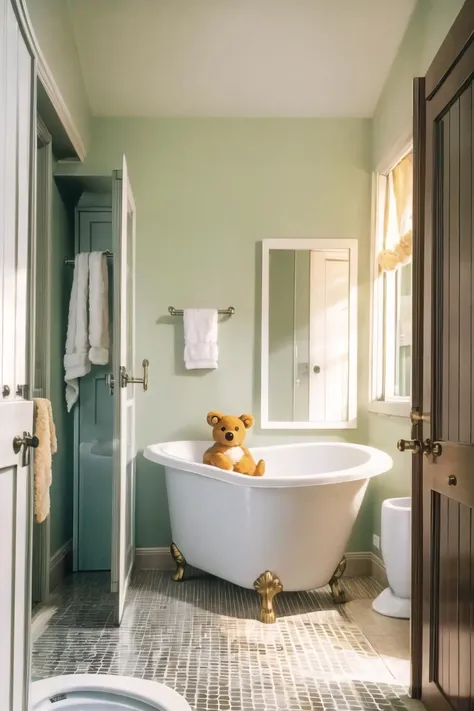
{"x": 76, "y": 358}
{"x": 46, "y": 433}
{"x": 98, "y": 309}
{"x": 200, "y": 337}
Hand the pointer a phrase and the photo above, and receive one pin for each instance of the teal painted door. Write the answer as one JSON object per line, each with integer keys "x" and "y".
{"x": 95, "y": 423}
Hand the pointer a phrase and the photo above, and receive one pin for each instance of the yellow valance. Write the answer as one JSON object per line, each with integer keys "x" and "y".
{"x": 398, "y": 217}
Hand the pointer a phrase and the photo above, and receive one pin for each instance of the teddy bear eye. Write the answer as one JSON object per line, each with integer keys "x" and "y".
{"x": 223, "y": 429}
{"x": 236, "y": 429}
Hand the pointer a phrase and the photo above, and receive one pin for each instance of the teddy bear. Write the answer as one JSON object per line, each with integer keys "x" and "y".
{"x": 228, "y": 451}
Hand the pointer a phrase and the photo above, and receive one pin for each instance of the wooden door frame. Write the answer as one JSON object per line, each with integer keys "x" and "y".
{"x": 441, "y": 76}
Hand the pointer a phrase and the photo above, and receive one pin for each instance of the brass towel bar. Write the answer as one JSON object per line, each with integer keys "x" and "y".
{"x": 179, "y": 312}
{"x": 71, "y": 262}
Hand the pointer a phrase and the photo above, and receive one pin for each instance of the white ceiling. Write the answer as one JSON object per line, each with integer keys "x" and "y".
{"x": 246, "y": 58}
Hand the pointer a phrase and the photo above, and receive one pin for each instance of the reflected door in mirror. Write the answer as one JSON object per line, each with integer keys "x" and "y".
{"x": 309, "y": 334}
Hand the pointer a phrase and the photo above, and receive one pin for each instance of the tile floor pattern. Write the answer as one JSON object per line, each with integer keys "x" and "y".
{"x": 202, "y": 638}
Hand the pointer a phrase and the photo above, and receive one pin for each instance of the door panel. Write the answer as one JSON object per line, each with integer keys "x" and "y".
{"x": 123, "y": 526}
{"x": 17, "y": 128}
{"x": 96, "y": 423}
{"x": 446, "y": 288}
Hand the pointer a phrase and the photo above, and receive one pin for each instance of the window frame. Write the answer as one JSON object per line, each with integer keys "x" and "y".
{"x": 379, "y": 402}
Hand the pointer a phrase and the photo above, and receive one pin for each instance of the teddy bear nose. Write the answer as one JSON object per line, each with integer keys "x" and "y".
{"x": 229, "y": 436}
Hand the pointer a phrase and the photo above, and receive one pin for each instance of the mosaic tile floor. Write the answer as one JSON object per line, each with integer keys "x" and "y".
{"x": 202, "y": 638}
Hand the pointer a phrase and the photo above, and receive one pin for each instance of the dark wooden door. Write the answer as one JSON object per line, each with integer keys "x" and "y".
{"x": 443, "y": 472}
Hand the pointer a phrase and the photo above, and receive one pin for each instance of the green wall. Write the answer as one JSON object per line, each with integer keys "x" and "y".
{"x": 392, "y": 121}
{"x": 392, "y": 125}
{"x": 207, "y": 192}
{"x": 62, "y": 245}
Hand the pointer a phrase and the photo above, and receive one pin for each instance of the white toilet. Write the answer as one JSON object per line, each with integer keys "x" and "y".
{"x": 99, "y": 692}
{"x": 394, "y": 601}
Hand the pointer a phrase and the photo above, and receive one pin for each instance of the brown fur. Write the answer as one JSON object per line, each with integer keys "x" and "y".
{"x": 218, "y": 454}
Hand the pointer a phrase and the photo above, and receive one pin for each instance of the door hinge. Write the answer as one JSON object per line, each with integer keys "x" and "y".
{"x": 23, "y": 391}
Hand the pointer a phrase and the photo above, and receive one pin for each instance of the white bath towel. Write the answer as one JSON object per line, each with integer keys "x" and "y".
{"x": 98, "y": 309}
{"x": 46, "y": 433}
{"x": 200, "y": 338}
{"x": 76, "y": 358}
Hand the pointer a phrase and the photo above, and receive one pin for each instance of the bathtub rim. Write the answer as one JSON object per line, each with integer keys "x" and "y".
{"x": 378, "y": 463}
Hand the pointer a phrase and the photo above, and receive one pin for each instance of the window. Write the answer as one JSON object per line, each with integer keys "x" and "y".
{"x": 392, "y": 290}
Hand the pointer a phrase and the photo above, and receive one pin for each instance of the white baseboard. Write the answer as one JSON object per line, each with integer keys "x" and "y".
{"x": 359, "y": 564}
{"x": 60, "y": 564}
{"x": 378, "y": 570}
{"x": 153, "y": 559}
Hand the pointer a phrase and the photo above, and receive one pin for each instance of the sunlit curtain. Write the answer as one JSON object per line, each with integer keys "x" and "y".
{"x": 398, "y": 216}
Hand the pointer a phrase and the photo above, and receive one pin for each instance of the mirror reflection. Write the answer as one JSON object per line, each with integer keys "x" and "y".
{"x": 310, "y": 342}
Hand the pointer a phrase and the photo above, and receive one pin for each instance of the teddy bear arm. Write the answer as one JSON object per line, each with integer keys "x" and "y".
{"x": 245, "y": 465}
{"x": 217, "y": 459}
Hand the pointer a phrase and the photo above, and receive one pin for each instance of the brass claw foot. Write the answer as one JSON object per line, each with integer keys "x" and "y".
{"x": 337, "y": 591}
{"x": 267, "y": 586}
{"x": 180, "y": 562}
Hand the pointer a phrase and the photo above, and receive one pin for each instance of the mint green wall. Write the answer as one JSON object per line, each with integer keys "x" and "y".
{"x": 207, "y": 192}
{"x": 62, "y": 245}
{"x": 392, "y": 125}
{"x": 428, "y": 26}
{"x": 53, "y": 29}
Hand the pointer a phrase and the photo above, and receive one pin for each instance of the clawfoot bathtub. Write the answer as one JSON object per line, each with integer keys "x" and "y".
{"x": 287, "y": 530}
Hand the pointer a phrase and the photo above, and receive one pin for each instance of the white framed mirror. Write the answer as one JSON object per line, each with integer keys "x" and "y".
{"x": 309, "y": 334}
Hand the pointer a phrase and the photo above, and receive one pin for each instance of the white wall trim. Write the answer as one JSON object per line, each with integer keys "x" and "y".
{"x": 390, "y": 408}
{"x": 378, "y": 570}
{"x": 60, "y": 564}
{"x": 153, "y": 559}
{"x": 359, "y": 563}
{"x": 400, "y": 148}
{"x": 47, "y": 80}
{"x": 60, "y": 554}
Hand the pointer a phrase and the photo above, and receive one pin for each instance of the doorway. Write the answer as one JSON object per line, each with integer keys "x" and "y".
{"x": 90, "y": 524}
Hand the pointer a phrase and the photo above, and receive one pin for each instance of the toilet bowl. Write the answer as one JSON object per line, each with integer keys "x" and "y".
{"x": 395, "y": 601}
{"x": 98, "y": 692}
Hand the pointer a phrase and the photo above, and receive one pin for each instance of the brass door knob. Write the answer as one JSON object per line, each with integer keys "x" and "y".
{"x": 27, "y": 442}
{"x": 126, "y": 379}
{"x": 434, "y": 448}
{"x": 409, "y": 445}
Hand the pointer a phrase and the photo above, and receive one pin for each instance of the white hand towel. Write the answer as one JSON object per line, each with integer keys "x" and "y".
{"x": 200, "y": 338}
{"x": 76, "y": 358}
{"x": 98, "y": 309}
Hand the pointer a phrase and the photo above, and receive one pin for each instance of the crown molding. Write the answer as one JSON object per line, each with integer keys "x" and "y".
{"x": 46, "y": 78}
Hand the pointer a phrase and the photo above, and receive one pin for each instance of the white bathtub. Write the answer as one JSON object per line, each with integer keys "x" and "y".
{"x": 295, "y": 521}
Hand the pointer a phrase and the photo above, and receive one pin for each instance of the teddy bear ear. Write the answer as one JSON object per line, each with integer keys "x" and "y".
{"x": 214, "y": 417}
{"x": 247, "y": 420}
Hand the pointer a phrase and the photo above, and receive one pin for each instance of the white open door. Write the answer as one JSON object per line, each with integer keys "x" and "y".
{"x": 329, "y": 335}
{"x": 123, "y": 518}
{"x": 17, "y": 128}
